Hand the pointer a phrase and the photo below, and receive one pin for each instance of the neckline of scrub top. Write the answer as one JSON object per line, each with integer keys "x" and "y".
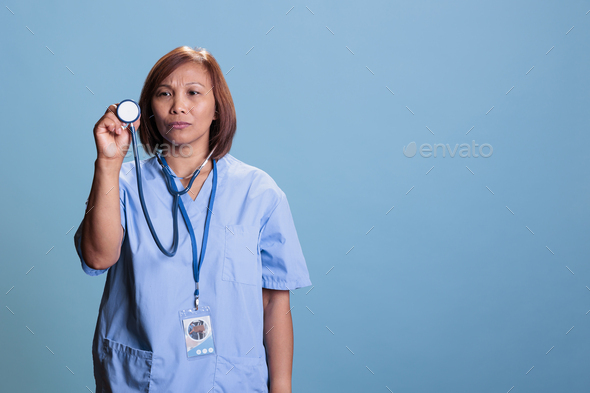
{"x": 197, "y": 206}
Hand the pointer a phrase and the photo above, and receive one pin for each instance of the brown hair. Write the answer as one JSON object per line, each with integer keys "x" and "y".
{"x": 222, "y": 129}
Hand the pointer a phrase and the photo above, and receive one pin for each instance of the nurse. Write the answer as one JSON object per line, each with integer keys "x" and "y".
{"x": 245, "y": 253}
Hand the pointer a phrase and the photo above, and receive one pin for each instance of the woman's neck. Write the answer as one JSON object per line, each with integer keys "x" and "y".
{"x": 184, "y": 165}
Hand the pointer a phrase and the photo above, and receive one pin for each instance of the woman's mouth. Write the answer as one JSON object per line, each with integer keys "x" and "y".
{"x": 178, "y": 125}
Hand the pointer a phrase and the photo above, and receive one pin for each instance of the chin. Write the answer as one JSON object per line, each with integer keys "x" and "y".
{"x": 177, "y": 138}
{"x": 181, "y": 137}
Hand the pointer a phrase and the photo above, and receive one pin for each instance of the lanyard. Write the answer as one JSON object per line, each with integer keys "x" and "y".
{"x": 196, "y": 261}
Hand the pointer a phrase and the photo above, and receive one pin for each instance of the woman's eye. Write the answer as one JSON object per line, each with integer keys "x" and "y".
{"x": 192, "y": 92}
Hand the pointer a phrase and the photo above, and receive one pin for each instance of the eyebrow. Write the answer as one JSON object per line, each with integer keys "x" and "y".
{"x": 190, "y": 83}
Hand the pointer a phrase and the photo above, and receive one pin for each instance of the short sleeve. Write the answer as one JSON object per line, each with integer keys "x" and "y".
{"x": 78, "y": 236}
{"x": 283, "y": 264}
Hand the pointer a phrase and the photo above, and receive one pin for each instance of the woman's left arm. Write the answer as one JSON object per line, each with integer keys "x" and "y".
{"x": 278, "y": 339}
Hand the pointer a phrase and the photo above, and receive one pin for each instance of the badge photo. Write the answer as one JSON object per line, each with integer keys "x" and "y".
{"x": 198, "y": 333}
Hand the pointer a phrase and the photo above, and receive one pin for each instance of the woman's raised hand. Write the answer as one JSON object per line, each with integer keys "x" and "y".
{"x": 112, "y": 137}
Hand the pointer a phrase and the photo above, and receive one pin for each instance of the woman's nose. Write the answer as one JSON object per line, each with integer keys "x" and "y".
{"x": 179, "y": 106}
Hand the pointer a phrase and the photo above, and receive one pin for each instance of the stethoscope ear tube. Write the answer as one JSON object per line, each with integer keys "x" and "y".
{"x": 170, "y": 176}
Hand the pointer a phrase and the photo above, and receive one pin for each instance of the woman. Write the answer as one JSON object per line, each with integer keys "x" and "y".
{"x": 252, "y": 258}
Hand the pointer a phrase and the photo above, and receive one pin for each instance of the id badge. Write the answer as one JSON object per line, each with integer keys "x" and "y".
{"x": 198, "y": 331}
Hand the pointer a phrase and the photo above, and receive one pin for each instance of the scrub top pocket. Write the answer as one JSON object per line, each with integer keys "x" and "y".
{"x": 241, "y": 374}
{"x": 241, "y": 255}
{"x": 124, "y": 368}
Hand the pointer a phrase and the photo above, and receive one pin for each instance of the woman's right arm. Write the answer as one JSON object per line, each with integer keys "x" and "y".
{"x": 102, "y": 233}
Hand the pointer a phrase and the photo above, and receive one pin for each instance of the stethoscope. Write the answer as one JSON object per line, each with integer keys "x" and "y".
{"x": 128, "y": 112}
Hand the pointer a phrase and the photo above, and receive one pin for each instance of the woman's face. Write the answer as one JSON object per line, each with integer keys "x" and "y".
{"x": 184, "y": 105}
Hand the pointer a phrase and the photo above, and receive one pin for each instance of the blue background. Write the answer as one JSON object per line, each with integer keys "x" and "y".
{"x": 480, "y": 268}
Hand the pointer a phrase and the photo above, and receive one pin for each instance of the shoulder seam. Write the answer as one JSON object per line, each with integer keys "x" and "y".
{"x": 281, "y": 197}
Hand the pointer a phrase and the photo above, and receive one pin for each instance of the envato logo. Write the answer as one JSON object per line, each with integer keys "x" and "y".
{"x": 465, "y": 150}
{"x": 182, "y": 150}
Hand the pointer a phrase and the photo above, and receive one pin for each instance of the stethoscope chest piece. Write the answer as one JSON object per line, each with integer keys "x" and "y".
{"x": 128, "y": 111}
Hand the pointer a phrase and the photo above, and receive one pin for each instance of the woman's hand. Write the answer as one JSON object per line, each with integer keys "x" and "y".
{"x": 112, "y": 136}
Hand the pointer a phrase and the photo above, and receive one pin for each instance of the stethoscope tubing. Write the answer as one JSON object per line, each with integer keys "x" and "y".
{"x": 175, "y": 206}
{"x": 175, "y": 194}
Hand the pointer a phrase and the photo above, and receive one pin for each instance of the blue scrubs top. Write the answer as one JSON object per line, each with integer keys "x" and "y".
{"x": 139, "y": 343}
